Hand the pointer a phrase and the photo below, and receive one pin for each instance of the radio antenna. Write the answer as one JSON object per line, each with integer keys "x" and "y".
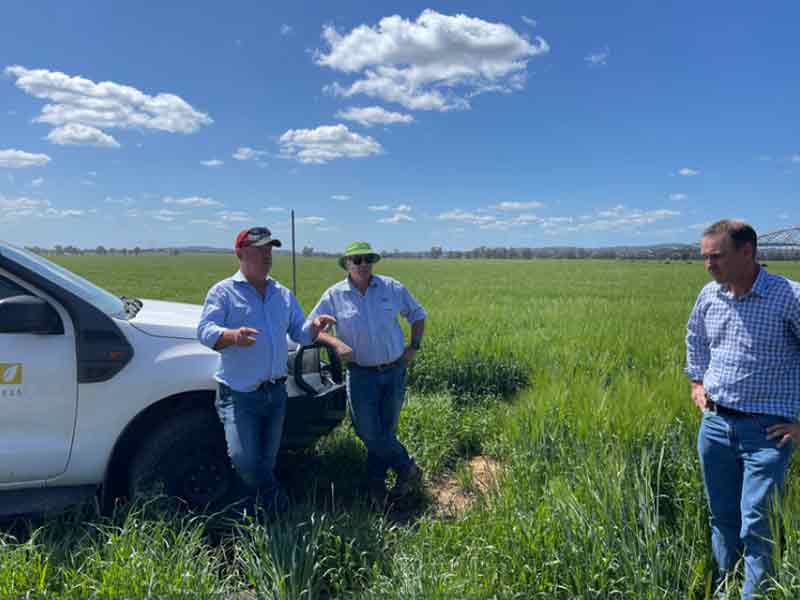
{"x": 294, "y": 261}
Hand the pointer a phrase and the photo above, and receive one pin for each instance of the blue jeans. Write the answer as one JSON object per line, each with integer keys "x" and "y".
{"x": 253, "y": 423}
{"x": 376, "y": 398}
{"x": 743, "y": 472}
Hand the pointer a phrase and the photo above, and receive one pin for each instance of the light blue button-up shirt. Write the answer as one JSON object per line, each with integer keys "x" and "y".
{"x": 368, "y": 323}
{"x": 234, "y": 303}
{"x": 746, "y": 350}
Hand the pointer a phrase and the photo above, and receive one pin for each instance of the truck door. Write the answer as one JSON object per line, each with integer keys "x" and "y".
{"x": 38, "y": 395}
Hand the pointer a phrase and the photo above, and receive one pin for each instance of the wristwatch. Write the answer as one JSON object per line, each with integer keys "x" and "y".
{"x": 415, "y": 344}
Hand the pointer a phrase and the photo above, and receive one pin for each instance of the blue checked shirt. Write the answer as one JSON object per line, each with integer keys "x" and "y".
{"x": 746, "y": 350}
{"x": 368, "y": 323}
{"x": 234, "y": 303}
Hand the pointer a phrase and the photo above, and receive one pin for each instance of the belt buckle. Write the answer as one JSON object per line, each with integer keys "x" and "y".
{"x": 268, "y": 382}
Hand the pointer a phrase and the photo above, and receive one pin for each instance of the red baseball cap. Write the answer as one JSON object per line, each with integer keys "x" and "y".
{"x": 255, "y": 236}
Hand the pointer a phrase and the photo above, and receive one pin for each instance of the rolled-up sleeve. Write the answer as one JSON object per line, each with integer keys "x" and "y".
{"x": 698, "y": 354}
{"x": 213, "y": 318}
{"x": 299, "y": 328}
{"x": 409, "y": 307}
{"x": 323, "y": 307}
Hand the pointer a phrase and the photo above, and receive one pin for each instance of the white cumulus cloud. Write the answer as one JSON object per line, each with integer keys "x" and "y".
{"x": 74, "y": 100}
{"x": 378, "y": 207}
{"x": 517, "y": 205}
{"x": 75, "y": 134}
{"x": 687, "y": 172}
{"x": 373, "y": 115}
{"x": 245, "y": 153}
{"x": 311, "y": 220}
{"x": 529, "y": 21}
{"x": 340, "y": 197}
{"x": 191, "y": 201}
{"x": 472, "y": 218}
{"x": 234, "y": 216}
{"x": 397, "y": 219}
{"x": 166, "y": 215}
{"x": 24, "y": 208}
{"x": 17, "y": 159}
{"x": 325, "y": 143}
{"x": 434, "y": 63}
{"x": 212, "y": 163}
{"x": 619, "y": 217}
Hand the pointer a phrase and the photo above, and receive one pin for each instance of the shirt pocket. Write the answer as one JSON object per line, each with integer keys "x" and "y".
{"x": 240, "y": 314}
{"x": 387, "y": 316}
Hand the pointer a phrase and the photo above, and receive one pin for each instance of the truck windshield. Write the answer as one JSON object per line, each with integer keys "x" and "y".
{"x": 105, "y": 301}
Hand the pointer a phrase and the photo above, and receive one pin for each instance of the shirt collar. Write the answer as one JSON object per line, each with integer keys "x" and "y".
{"x": 759, "y": 288}
{"x": 239, "y": 277}
{"x": 373, "y": 282}
{"x": 761, "y": 284}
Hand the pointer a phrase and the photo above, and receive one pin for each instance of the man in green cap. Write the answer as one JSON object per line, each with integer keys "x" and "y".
{"x": 370, "y": 339}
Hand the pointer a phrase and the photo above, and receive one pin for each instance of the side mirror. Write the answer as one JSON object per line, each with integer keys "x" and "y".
{"x": 28, "y": 314}
{"x": 334, "y": 368}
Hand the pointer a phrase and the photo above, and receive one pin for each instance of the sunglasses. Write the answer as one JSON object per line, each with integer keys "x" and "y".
{"x": 369, "y": 259}
{"x": 256, "y": 233}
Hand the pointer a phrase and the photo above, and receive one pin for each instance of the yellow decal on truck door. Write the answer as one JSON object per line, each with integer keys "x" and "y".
{"x": 10, "y": 373}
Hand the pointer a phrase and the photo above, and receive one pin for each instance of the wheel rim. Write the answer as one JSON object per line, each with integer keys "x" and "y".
{"x": 204, "y": 480}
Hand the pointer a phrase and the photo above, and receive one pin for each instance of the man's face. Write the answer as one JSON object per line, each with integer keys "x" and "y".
{"x": 256, "y": 258}
{"x": 359, "y": 266}
{"x": 724, "y": 262}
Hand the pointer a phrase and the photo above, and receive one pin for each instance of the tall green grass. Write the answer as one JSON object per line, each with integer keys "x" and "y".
{"x": 567, "y": 372}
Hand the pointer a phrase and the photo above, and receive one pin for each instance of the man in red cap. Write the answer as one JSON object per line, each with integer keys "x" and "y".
{"x": 246, "y": 318}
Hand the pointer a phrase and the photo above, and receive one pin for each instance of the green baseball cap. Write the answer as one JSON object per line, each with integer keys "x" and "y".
{"x": 358, "y": 249}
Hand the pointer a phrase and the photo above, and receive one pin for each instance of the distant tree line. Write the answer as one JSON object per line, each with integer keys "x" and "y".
{"x": 675, "y": 252}
{"x": 59, "y": 250}
{"x": 664, "y": 252}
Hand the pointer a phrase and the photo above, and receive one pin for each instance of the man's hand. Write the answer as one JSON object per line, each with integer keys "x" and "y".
{"x": 785, "y": 433}
{"x": 408, "y": 355}
{"x": 699, "y": 395}
{"x": 321, "y": 324}
{"x": 244, "y": 336}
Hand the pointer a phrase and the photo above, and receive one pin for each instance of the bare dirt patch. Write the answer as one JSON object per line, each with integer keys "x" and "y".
{"x": 452, "y": 498}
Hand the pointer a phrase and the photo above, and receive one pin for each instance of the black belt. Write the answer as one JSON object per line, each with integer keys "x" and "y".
{"x": 378, "y": 368}
{"x": 728, "y": 412}
{"x": 270, "y": 382}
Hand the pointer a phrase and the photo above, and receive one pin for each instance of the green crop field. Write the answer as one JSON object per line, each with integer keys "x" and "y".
{"x": 566, "y": 374}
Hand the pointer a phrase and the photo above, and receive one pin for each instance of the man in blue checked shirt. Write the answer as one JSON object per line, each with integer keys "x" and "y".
{"x": 246, "y": 318}
{"x": 743, "y": 359}
{"x": 366, "y": 308}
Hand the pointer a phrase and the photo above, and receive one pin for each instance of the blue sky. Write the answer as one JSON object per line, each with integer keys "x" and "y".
{"x": 408, "y": 125}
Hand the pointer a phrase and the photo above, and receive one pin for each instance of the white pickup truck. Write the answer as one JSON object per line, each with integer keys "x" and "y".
{"x": 100, "y": 392}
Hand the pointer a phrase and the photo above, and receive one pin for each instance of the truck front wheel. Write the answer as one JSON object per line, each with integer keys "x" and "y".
{"x": 185, "y": 457}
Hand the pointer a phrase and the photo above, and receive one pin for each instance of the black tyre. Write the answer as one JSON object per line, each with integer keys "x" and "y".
{"x": 185, "y": 457}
